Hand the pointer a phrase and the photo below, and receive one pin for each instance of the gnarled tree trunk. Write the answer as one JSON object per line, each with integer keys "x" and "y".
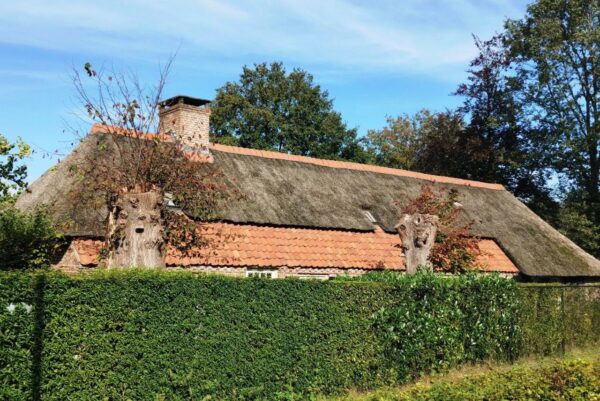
{"x": 417, "y": 232}
{"x": 136, "y": 231}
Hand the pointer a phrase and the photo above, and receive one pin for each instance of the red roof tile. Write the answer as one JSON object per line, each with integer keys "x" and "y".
{"x": 494, "y": 259}
{"x": 266, "y": 246}
{"x": 88, "y": 251}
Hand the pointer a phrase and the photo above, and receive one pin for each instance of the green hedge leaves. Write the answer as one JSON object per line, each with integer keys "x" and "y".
{"x": 555, "y": 318}
{"x": 148, "y": 335}
{"x": 573, "y": 379}
{"x": 435, "y": 323}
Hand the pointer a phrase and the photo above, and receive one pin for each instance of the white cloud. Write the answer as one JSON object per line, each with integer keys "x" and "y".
{"x": 411, "y": 36}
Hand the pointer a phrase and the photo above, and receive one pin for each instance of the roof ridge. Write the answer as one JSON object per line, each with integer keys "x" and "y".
{"x": 269, "y": 154}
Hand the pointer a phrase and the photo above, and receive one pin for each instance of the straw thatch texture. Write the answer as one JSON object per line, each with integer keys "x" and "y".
{"x": 291, "y": 193}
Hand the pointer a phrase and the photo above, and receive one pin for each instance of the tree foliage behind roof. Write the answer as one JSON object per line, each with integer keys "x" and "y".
{"x": 427, "y": 142}
{"x": 269, "y": 108}
{"x": 498, "y": 137}
{"x": 555, "y": 57}
{"x": 556, "y": 53}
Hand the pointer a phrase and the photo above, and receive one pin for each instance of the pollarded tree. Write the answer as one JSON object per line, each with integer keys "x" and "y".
{"x": 455, "y": 249}
{"x": 271, "y": 109}
{"x": 137, "y": 171}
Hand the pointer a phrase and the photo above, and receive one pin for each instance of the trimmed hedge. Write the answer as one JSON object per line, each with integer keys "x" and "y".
{"x": 435, "y": 323}
{"x": 171, "y": 336}
{"x": 560, "y": 380}
{"x": 556, "y": 318}
{"x": 147, "y": 335}
{"x": 17, "y": 324}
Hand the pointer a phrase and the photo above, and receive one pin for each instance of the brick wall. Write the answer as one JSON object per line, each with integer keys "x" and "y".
{"x": 282, "y": 272}
{"x": 189, "y": 123}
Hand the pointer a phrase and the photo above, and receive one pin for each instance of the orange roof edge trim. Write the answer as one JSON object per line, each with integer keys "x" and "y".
{"x": 354, "y": 166}
{"x": 267, "y": 154}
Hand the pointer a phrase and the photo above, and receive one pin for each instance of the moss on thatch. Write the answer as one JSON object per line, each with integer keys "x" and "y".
{"x": 292, "y": 193}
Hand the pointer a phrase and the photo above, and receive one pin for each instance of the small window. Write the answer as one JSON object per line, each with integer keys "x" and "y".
{"x": 260, "y": 273}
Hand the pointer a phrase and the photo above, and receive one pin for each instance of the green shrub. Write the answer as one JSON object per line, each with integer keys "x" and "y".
{"x": 436, "y": 322}
{"x": 151, "y": 335}
{"x": 27, "y": 240}
{"x": 555, "y": 318}
{"x": 570, "y": 379}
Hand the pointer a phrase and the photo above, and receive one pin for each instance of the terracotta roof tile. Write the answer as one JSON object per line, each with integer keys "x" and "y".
{"x": 88, "y": 251}
{"x": 494, "y": 259}
{"x": 249, "y": 245}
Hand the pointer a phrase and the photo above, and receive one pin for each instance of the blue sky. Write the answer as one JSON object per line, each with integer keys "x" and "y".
{"x": 376, "y": 58}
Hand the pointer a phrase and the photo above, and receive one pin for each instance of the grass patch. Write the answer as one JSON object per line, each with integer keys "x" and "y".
{"x": 576, "y": 376}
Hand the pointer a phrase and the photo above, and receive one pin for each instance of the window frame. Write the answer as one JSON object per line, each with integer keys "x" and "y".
{"x": 261, "y": 273}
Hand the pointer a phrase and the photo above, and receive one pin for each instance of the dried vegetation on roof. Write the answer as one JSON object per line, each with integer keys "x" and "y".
{"x": 282, "y": 192}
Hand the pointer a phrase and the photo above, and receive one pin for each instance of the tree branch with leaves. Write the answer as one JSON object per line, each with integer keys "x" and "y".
{"x": 133, "y": 160}
{"x": 13, "y": 172}
{"x": 456, "y": 248}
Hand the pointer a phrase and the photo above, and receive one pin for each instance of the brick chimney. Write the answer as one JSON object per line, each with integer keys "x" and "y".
{"x": 187, "y": 119}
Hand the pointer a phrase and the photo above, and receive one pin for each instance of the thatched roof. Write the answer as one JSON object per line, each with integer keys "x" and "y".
{"x": 283, "y": 190}
{"x": 56, "y": 190}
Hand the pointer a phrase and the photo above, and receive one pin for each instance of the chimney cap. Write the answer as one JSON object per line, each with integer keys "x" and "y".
{"x": 180, "y": 99}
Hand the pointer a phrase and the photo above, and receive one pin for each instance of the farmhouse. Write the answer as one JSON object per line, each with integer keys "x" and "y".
{"x": 310, "y": 218}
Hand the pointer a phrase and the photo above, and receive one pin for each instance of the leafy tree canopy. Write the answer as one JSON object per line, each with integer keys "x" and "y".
{"x": 498, "y": 141}
{"x": 269, "y": 108}
{"x": 555, "y": 51}
{"x": 426, "y": 142}
{"x": 12, "y": 172}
